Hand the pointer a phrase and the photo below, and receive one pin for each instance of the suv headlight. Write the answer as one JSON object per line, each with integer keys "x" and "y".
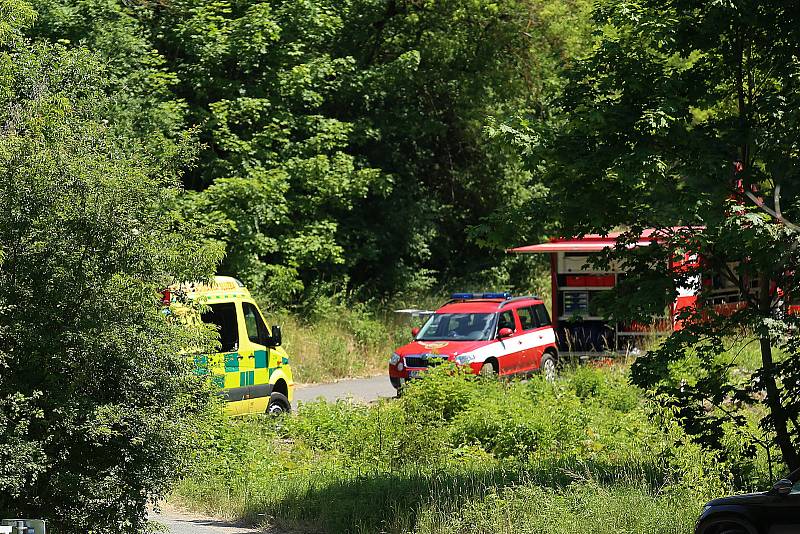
{"x": 394, "y": 359}
{"x": 464, "y": 359}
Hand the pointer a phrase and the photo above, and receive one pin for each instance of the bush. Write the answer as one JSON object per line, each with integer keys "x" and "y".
{"x": 459, "y": 453}
{"x": 94, "y": 396}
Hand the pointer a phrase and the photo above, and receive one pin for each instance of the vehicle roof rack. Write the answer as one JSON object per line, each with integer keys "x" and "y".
{"x": 490, "y": 297}
{"x": 515, "y": 299}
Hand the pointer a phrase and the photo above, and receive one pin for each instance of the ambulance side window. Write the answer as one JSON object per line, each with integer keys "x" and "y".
{"x": 256, "y": 329}
{"x": 223, "y": 316}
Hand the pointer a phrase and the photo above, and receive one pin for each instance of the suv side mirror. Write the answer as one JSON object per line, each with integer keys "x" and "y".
{"x": 783, "y": 487}
{"x": 276, "y": 338}
{"x": 504, "y": 332}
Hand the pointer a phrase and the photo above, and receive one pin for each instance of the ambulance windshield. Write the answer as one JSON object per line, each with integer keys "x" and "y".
{"x": 458, "y": 327}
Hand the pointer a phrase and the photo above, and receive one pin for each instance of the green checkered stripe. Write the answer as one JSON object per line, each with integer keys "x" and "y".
{"x": 231, "y": 366}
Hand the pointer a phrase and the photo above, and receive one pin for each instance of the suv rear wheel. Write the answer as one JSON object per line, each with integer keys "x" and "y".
{"x": 548, "y": 367}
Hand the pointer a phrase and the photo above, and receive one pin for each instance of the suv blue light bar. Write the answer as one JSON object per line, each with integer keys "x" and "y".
{"x": 469, "y": 296}
{"x": 504, "y": 295}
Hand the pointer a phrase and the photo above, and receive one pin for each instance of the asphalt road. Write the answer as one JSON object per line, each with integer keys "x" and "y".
{"x": 357, "y": 389}
{"x": 184, "y": 523}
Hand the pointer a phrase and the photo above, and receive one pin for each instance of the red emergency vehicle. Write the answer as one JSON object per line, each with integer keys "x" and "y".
{"x": 490, "y": 333}
{"x": 576, "y": 283}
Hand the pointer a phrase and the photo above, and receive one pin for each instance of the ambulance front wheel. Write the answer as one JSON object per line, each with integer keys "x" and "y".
{"x": 278, "y": 404}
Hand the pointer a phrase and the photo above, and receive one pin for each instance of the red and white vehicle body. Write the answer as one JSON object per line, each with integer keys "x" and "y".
{"x": 488, "y": 333}
{"x": 576, "y": 283}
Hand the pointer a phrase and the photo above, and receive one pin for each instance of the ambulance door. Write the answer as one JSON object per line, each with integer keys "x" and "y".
{"x": 256, "y": 358}
{"x": 224, "y": 365}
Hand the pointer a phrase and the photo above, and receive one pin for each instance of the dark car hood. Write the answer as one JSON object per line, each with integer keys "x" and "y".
{"x": 449, "y": 348}
{"x": 747, "y": 498}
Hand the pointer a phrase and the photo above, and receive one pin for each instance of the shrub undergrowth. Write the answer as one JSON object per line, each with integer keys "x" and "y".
{"x": 340, "y": 341}
{"x": 459, "y": 453}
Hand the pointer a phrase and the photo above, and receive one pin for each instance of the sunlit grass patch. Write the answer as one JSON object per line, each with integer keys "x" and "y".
{"x": 464, "y": 454}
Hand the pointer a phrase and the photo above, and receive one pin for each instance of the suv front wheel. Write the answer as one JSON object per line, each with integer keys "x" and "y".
{"x": 726, "y": 525}
{"x": 487, "y": 369}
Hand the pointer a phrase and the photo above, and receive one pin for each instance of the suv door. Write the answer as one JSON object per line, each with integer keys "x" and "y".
{"x": 545, "y": 335}
{"x": 510, "y": 359}
{"x": 531, "y": 349}
{"x": 783, "y": 512}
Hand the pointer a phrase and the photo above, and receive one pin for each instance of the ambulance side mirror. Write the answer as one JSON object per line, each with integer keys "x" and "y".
{"x": 276, "y": 338}
{"x": 414, "y": 332}
{"x": 504, "y": 332}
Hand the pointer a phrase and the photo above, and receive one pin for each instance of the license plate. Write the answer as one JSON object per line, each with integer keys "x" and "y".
{"x": 414, "y": 374}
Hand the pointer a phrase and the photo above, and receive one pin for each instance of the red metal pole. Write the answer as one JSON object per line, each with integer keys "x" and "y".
{"x": 554, "y": 287}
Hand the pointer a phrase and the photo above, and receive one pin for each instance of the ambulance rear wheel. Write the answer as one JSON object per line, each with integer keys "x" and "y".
{"x": 278, "y": 404}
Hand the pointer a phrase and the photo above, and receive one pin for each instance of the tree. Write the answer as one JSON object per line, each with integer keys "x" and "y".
{"x": 94, "y": 391}
{"x": 686, "y": 114}
{"x": 343, "y": 141}
{"x": 431, "y": 74}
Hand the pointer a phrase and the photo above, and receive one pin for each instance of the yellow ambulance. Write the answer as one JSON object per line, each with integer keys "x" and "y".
{"x": 251, "y": 369}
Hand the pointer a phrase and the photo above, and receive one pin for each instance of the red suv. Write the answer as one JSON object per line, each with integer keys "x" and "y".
{"x": 492, "y": 333}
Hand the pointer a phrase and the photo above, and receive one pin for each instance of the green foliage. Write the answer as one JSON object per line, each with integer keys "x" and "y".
{"x": 14, "y": 15}
{"x": 342, "y": 140}
{"x": 93, "y": 389}
{"x": 442, "y": 397}
{"x": 685, "y": 115}
{"x": 538, "y": 456}
{"x": 580, "y": 509}
{"x": 144, "y": 105}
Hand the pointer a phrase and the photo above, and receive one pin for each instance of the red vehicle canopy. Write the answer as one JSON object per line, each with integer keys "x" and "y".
{"x": 588, "y": 243}
{"x": 576, "y": 282}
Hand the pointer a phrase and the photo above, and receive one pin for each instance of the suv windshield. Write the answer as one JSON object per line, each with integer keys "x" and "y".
{"x": 458, "y": 327}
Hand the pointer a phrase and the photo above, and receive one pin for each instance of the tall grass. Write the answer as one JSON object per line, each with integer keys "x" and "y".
{"x": 586, "y": 508}
{"x": 460, "y": 454}
{"x": 345, "y": 343}
{"x": 338, "y": 339}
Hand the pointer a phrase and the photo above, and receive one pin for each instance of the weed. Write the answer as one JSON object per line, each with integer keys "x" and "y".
{"x": 349, "y": 343}
{"x": 465, "y": 454}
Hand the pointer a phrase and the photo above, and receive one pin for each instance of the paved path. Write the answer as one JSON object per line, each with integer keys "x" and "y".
{"x": 184, "y": 523}
{"x": 359, "y": 389}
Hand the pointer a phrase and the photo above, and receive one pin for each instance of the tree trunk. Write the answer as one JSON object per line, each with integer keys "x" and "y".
{"x": 776, "y": 409}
